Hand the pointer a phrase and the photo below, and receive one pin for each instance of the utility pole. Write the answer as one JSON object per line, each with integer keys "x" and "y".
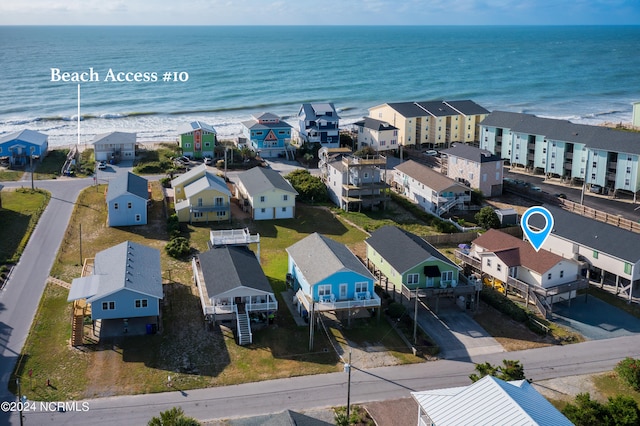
{"x": 80, "y": 243}
{"x": 415, "y": 320}
{"x": 347, "y": 369}
{"x": 31, "y": 167}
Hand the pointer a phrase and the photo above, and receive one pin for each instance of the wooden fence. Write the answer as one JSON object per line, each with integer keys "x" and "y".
{"x": 601, "y": 216}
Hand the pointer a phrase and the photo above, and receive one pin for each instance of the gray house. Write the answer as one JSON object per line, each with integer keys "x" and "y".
{"x": 124, "y": 282}
{"x": 127, "y": 198}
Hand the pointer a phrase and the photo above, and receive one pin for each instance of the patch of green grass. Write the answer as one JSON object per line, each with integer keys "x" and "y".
{"x": 19, "y": 215}
{"x": 609, "y": 384}
{"x": 10, "y": 175}
{"x": 51, "y": 165}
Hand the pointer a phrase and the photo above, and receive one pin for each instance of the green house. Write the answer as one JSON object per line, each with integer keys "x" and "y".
{"x": 197, "y": 140}
{"x": 408, "y": 260}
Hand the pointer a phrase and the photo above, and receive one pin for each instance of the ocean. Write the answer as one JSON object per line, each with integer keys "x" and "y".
{"x": 223, "y": 74}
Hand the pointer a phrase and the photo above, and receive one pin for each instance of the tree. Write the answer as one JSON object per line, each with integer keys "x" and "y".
{"x": 629, "y": 371}
{"x": 620, "y": 410}
{"x": 173, "y": 417}
{"x": 509, "y": 370}
{"x": 487, "y": 218}
{"x": 310, "y": 188}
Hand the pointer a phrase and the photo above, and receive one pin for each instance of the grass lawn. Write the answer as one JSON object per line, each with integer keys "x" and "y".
{"x": 10, "y": 175}
{"x": 20, "y": 212}
{"x": 51, "y": 165}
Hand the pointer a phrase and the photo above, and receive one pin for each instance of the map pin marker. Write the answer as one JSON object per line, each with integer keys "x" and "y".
{"x": 537, "y": 238}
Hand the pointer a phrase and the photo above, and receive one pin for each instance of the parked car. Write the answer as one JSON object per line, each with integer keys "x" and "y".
{"x": 431, "y": 153}
{"x": 208, "y": 161}
{"x": 184, "y": 160}
{"x": 596, "y": 189}
{"x": 102, "y": 165}
{"x": 561, "y": 195}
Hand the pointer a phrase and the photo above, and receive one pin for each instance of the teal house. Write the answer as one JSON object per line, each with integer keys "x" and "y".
{"x": 327, "y": 276}
{"x": 197, "y": 140}
{"x": 267, "y": 135}
{"x": 23, "y": 147}
{"x": 408, "y": 261}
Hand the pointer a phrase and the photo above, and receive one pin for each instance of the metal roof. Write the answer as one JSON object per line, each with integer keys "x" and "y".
{"x": 490, "y": 401}
{"x": 114, "y": 138}
{"x": 208, "y": 181}
{"x": 26, "y": 135}
{"x": 402, "y": 249}
{"x": 319, "y": 257}
{"x": 258, "y": 180}
{"x": 128, "y": 183}
{"x": 195, "y": 125}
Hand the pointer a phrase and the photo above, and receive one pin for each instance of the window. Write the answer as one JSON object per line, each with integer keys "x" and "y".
{"x": 561, "y": 274}
{"x": 129, "y": 205}
{"x": 138, "y": 218}
{"x": 446, "y": 276}
{"x": 628, "y": 169}
{"x": 595, "y": 164}
{"x": 207, "y": 144}
{"x": 221, "y": 214}
{"x": 115, "y": 206}
{"x": 141, "y": 303}
{"x": 489, "y": 263}
{"x": 219, "y": 201}
{"x": 324, "y": 290}
{"x": 627, "y": 182}
{"x": 199, "y": 202}
{"x": 627, "y": 268}
{"x": 197, "y": 214}
{"x": 187, "y": 145}
{"x": 595, "y": 254}
{"x": 108, "y": 306}
{"x": 499, "y": 267}
{"x": 413, "y": 279}
{"x": 263, "y": 210}
{"x": 593, "y": 176}
{"x": 549, "y": 276}
{"x": 361, "y": 287}
{"x": 285, "y": 197}
{"x": 262, "y": 198}
{"x": 497, "y": 175}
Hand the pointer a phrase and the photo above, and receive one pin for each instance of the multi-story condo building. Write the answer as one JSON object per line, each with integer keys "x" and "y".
{"x": 432, "y": 124}
{"x": 599, "y": 156}
{"x": 475, "y": 167}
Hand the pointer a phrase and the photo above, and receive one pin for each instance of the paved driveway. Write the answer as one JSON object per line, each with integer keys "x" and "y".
{"x": 595, "y": 319}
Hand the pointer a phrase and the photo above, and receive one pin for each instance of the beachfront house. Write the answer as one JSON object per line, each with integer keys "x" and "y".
{"x": 197, "y": 140}
{"x": 434, "y": 192}
{"x": 23, "y": 147}
{"x": 475, "y": 167}
{"x": 610, "y": 255}
{"x": 432, "y": 124}
{"x": 201, "y": 196}
{"x": 327, "y": 276}
{"x": 127, "y": 199}
{"x": 409, "y": 262}
{"x": 122, "y": 287}
{"x": 489, "y": 401}
{"x": 114, "y": 146}
{"x": 606, "y": 159}
{"x": 268, "y": 135}
{"x": 376, "y": 134}
{"x": 232, "y": 285}
{"x": 265, "y": 194}
{"x": 318, "y": 123}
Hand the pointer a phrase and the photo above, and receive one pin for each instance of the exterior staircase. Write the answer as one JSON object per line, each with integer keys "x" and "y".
{"x": 447, "y": 206}
{"x": 244, "y": 328}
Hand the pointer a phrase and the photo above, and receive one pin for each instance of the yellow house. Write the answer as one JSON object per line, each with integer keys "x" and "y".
{"x": 432, "y": 124}
{"x": 201, "y": 196}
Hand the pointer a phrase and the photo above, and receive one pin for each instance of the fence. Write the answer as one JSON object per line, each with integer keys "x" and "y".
{"x": 600, "y": 215}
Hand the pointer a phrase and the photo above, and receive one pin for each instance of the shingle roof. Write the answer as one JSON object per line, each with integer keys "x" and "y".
{"x": 319, "y": 257}
{"x": 408, "y": 109}
{"x": 128, "y": 183}
{"x": 595, "y": 137}
{"x": 26, "y": 135}
{"x": 437, "y": 108}
{"x": 127, "y": 265}
{"x": 259, "y": 180}
{"x": 592, "y": 233}
{"x": 428, "y": 176}
{"x": 227, "y": 267}
{"x": 490, "y": 401}
{"x": 468, "y": 107}
{"x": 472, "y": 153}
{"x": 114, "y": 138}
{"x": 402, "y": 249}
{"x": 373, "y": 124}
{"x": 514, "y": 251}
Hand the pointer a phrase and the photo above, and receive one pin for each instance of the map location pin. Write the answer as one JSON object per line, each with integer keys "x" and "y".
{"x": 537, "y": 238}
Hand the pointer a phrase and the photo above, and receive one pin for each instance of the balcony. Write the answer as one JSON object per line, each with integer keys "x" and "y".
{"x": 215, "y": 208}
{"x": 331, "y": 303}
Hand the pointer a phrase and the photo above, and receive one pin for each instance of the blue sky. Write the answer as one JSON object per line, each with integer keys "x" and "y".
{"x": 320, "y": 12}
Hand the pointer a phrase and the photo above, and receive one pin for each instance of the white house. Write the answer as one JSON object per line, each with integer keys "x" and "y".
{"x": 433, "y": 191}
{"x": 376, "y": 134}
{"x": 476, "y": 167}
{"x": 114, "y": 146}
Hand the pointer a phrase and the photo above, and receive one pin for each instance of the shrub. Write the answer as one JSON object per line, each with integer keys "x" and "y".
{"x": 396, "y": 310}
{"x": 487, "y": 218}
{"x": 173, "y": 226}
{"x": 178, "y": 247}
{"x": 504, "y": 304}
{"x": 629, "y": 370}
{"x": 509, "y": 370}
{"x": 165, "y": 182}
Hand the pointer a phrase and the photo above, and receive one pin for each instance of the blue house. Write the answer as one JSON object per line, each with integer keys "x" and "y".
{"x": 127, "y": 198}
{"x": 267, "y": 135}
{"x": 23, "y": 147}
{"x": 327, "y": 276}
{"x": 318, "y": 123}
{"x": 125, "y": 282}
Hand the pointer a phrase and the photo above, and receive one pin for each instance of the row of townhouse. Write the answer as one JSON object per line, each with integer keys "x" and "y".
{"x": 599, "y": 156}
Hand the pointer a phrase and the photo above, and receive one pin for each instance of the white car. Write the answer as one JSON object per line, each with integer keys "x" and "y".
{"x": 208, "y": 161}
{"x": 431, "y": 153}
{"x": 102, "y": 165}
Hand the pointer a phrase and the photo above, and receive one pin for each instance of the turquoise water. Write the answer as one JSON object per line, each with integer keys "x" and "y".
{"x": 585, "y": 74}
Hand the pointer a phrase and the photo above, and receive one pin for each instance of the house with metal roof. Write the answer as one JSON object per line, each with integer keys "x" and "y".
{"x": 434, "y": 192}
{"x": 197, "y": 139}
{"x": 410, "y": 263}
{"x": 114, "y": 146}
{"x": 601, "y": 157}
{"x": 318, "y": 123}
{"x": 265, "y": 194}
{"x": 127, "y": 199}
{"x": 432, "y": 124}
{"x": 489, "y": 401}
{"x": 376, "y": 134}
{"x": 478, "y": 168}
{"x": 268, "y": 135}
{"x": 232, "y": 285}
{"x": 327, "y": 276}
{"x": 201, "y": 196}
{"x": 539, "y": 276}
{"x": 23, "y": 147}
{"x": 124, "y": 282}
{"x": 612, "y": 254}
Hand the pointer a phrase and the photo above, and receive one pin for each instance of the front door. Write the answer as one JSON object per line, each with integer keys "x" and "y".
{"x": 343, "y": 291}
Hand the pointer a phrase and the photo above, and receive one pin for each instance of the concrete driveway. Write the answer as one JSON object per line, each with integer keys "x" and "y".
{"x": 595, "y": 319}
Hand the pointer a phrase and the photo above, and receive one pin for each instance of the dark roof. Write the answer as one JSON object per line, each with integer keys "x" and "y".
{"x": 402, "y": 249}
{"x": 128, "y": 183}
{"x": 438, "y": 108}
{"x": 595, "y": 137}
{"x": 472, "y": 153}
{"x": 408, "y": 109}
{"x": 468, "y": 107}
{"x": 373, "y": 124}
{"x": 592, "y": 233}
{"x": 227, "y": 267}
